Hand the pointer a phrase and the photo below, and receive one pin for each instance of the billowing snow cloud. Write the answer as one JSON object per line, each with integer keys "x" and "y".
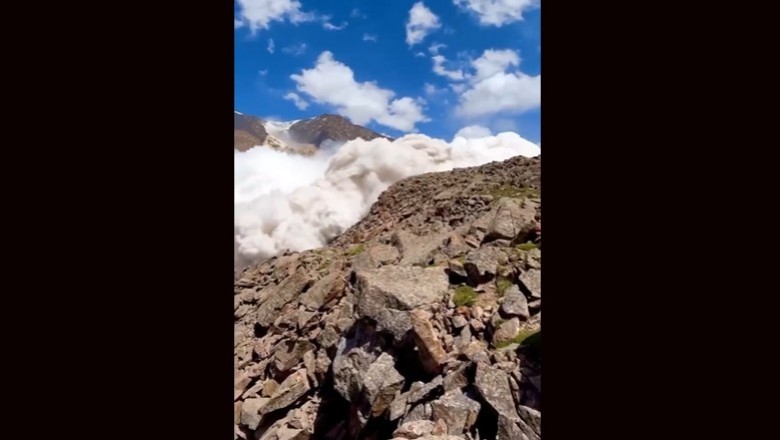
{"x": 497, "y": 12}
{"x": 285, "y": 201}
{"x": 421, "y": 22}
{"x": 333, "y": 83}
{"x": 473, "y": 131}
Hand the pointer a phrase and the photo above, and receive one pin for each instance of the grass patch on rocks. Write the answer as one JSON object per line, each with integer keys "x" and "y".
{"x": 464, "y": 296}
{"x": 356, "y": 250}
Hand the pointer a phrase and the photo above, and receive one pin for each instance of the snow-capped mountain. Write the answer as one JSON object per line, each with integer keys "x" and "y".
{"x": 303, "y": 136}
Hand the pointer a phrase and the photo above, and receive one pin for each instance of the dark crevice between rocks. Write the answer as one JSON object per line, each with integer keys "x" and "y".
{"x": 487, "y": 419}
{"x": 409, "y": 364}
{"x": 332, "y": 411}
{"x": 260, "y": 331}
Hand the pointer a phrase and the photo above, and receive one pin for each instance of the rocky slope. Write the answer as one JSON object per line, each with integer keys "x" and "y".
{"x": 303, "y": 136}
{"x": 422, "y": 321}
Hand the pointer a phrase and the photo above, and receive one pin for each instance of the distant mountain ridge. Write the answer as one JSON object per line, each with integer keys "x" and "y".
{"x": 305, "y": 135}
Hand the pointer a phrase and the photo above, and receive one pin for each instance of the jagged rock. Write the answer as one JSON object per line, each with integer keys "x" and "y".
{"x": 375, "y": 256}
{"x": 329, "y": 337}
{"x": 398, "y": 406}
{"x": 425, "y": 391}
{"x": 456, "y": 379}
{"x": 269, "y": 387}
{"x": 506, "y": 331}
{"x": 381, "y": 383}
{"x": 288, "y": 354}
{"x": 459, "y": 321}
{"x": 278, "y": 296}
{"x": 476, "y": 352}
{"x": 321, "y": 363}
{"x": 432, "y": 354}
{"x": 415, "y": 249}
{"x": 533, "y": 259}
{"x": 251, "y": 415}
{"x": 532, "y": 282}
{"x": 354, "y": 356}
{"x": 455, "y": 245}
{"x": 493, "y": 385}
{"x": 239, "y": 385}
{"x": 457, "y": 268}
{"x": 532, "y": 418}
{"x": 327, "y": 288}
{"x": 421, "y": 411}
{"x": 386, "y": 294}
{"x": 481, "y": 264}
{"x": 477, "y": 325}
{"x": 439, "y": 428}
{"x": 515, "y": 303}
{"x": 295, "y": 386}
{"x": 457, "y": 410}
{"x": 511, "y": 222}
{"x": 414, "y": 430}
{"x": 508, "y": 429}
{"x": 264, "y": 346}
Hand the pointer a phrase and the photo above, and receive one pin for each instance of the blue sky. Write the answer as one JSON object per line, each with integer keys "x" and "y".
{"x": 380, "y": 63}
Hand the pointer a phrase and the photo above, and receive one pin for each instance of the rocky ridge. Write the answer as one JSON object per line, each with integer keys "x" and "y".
{"x": 422, "y": 321}
{"x": 304, "y": 136}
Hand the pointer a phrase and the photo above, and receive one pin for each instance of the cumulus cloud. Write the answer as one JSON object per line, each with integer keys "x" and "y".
{"x": 369, "y": 37}
{"x": 270, "y": 45}
{"x": 431, "y": 89}
{"x": 497, "y": 12}
{"x": 439, "y": 69}
{"x": 495, "y": 88}
{"x": 473, "y": 131}
{"x": 297, "y": 100}
{"x": 295, "y": 49}
{"x": 333, "y": 83}
{"x": 258, "y": 14}
{"x": 237, "y": 24}
{"x": 421, "y": 22}
{"x": 285, "y": 201}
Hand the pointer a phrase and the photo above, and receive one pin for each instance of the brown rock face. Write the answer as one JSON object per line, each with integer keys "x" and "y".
{"x": 248, "y": 131}
{"x": 337, "y": 128}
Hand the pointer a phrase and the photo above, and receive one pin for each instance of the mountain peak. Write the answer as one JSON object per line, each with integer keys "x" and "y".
{"x": 251, "y": 131}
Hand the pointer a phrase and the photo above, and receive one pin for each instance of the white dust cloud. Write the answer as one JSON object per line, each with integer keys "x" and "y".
{"x": 288, "y": 201}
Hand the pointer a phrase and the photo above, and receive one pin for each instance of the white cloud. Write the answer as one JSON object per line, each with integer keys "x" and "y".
{"x": 357, "y": 14}
{"x": 333, "y": 83}
{"x": 419, "y": 55}
{"x": 237, "y": 23}
{"x": 260, "y": 13}
{"x": 439, "y": 69}
{"x": 369, "y": 37}
{"x": 435, "y": 48}
{"x": 264, "y": 72}
{"x": 270, "y": 45}
{"x": 431, "y": 89}
{"x": 297, "y": 100}
{"x": 421, "y": 23}
{"x": 458, "y": 88}
{"x": 295, "y": 49}
{"x": 494, "y": 88}
{"x": 328, "y": 26}
{"x": 473, "y": 131}
{"x": 497, "y": 12}
{"x": 287, "y": 201}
